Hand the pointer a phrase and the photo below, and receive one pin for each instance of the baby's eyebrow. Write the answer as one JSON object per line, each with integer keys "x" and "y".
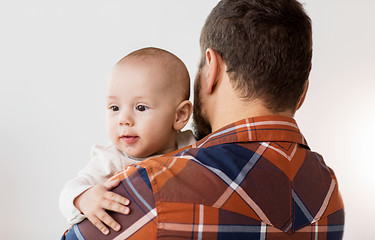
{"x": 111, "y": 97}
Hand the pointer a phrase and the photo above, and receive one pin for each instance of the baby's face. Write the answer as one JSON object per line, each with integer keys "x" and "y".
{"x": 140, "y": 111}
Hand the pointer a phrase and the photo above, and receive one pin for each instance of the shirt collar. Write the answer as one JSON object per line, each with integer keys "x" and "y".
{"x": 273, "y": 128}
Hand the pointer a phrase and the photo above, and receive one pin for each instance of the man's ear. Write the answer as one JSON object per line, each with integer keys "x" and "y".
{"x": 213, "y": 65}
{"x": 302, "y": 99}
{"x": 183, "y": 113}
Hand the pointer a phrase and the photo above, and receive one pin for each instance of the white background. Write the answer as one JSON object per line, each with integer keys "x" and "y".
{"x": 56, "y": 55}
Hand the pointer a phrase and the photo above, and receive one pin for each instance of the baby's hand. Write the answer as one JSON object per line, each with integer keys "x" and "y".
{"x": 94, "y": 201}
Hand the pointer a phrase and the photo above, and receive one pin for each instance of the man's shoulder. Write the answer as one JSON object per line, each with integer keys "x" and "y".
{"x": 196, "y": 175}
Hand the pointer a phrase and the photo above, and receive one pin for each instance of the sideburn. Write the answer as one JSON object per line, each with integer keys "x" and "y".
{"x": 201, "y": 126}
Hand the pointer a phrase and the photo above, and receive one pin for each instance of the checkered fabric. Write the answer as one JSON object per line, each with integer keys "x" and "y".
{"x": 253, "y": 179}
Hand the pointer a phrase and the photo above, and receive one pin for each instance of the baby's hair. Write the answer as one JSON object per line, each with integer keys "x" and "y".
{"x": 171, "y": 64}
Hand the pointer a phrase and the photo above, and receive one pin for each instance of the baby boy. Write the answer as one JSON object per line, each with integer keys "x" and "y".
{"x": 147, "y": 106}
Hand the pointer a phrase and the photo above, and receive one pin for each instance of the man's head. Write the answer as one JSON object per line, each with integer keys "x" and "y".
{"x": 147, "y": 102}
{"x": 266, "y": 46}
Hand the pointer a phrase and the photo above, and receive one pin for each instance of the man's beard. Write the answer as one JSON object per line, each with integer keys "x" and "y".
{"x": 201, "y": 126}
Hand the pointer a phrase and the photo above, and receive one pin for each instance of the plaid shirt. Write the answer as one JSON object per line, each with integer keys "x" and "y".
{"x": 253, "y": 179}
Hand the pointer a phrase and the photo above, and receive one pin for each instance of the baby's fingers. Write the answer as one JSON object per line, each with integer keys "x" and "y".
{"x": 115, "y": 206}
{"x": 111, "y": 184}
{"x": 117, "y": 198}
{"x": 109, "y": 221}
{"x": 99, "y": 224}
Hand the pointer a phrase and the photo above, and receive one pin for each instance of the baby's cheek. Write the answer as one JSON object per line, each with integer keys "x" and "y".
{"x": 155, "y": 139}
{"x": 111, "y": 132}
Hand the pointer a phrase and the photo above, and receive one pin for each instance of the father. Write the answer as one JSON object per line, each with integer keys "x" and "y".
{"x": 254, "y": 176}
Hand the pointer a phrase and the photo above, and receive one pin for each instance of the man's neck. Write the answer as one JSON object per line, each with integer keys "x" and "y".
{"x": 235, "y": 109}
{"x": 224, "y": 106}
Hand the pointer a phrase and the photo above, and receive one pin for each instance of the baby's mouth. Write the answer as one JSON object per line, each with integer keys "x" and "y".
{"x": 129, "y": 139}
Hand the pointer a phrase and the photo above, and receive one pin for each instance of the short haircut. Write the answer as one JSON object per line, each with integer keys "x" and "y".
{"x": 267, "y": 47}
{"x": 171, "y": 65}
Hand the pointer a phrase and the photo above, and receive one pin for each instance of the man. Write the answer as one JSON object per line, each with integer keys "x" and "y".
{"x": 253, "y": 176}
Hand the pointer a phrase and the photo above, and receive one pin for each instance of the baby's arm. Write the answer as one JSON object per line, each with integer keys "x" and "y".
{"x": 104, "y": 163}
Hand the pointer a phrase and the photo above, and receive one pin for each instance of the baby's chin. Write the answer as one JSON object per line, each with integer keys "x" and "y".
{"x": 137, "y": 151}
{"x": 132, "y": 154}
{"x": 135, "y": 154}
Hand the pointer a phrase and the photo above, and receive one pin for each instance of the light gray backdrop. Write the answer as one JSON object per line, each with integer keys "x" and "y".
{"x": 56, "y": 55}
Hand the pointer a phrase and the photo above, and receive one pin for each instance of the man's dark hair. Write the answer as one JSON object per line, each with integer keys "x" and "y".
{"x": 267, "y": 47}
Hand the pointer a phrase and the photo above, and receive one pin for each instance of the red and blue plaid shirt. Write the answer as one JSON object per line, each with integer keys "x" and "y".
{"x": 253, "y": 179}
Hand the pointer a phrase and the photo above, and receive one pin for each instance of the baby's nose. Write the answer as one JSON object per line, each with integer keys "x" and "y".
{"x": 126, "y": 120}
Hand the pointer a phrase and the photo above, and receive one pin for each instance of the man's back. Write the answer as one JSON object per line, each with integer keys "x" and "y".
{"x": 254, "y": 179}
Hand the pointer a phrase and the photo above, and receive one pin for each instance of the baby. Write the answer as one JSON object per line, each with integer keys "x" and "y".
{"x": 147, "y": 106}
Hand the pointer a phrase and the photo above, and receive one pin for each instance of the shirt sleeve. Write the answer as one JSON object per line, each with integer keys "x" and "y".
{"x": 141, "y": 223}
{"x": 105, "y": 161}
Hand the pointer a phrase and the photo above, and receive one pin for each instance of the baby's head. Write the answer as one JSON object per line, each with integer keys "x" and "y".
{"x": 147, "y": 102}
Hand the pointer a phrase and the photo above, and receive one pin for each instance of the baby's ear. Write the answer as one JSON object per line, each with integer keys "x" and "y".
{"x": 183, "y": 112}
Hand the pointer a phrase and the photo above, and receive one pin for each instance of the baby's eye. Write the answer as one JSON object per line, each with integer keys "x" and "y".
{"x": 114, "y": 108}
{"x": 141, "y": 108}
